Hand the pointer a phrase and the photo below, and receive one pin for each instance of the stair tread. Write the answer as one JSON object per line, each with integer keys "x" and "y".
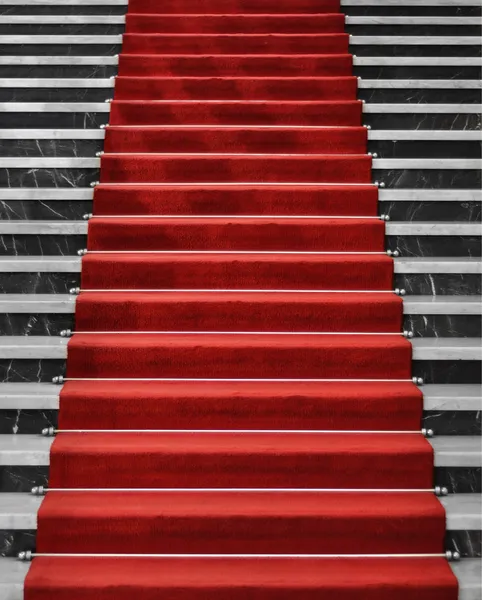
{"x": 71, "y": 264}
{"x": 25, "y": 449}
{"x": 65, "y": 303}
{"x": 455, "y": 397}
{"x": 55, "y": 347}
{"x": 19, "y": 511}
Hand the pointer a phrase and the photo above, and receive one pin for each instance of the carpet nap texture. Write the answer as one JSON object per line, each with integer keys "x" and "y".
{"x": 238, "y": 344}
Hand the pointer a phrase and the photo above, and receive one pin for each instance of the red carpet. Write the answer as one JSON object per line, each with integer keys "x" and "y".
{"x": 223, "y": 284}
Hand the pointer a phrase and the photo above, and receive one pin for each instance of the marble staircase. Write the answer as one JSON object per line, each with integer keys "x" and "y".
{"x": 419, "y": 67}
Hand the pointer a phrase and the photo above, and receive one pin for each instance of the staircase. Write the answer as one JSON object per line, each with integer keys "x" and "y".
{"x": 419, "y": 77}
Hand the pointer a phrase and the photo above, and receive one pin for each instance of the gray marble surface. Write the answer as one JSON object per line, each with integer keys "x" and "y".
{"x": 38, "y": 282}
{"x": 47, "y": 177}
{"x": 18, "y": 479}
{"x": 459, "y": 480}
{"x": 22, "y": 370}
{"x": 50, "y": 148}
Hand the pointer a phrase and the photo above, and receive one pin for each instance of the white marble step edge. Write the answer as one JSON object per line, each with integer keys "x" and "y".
{"x": 55, "y": 348}
{"x": 45, "y": 396}
{"x": 355, "y": 40}
{"x": 104, "y": 107}
{"x": 72, "y": 264}
{"x": 120, "y": 20}
{"x": 61, "y": 227}
{"x": 19, "y": 511}
{"x": 34, "y": 450}
{"x": 358, "y": 61}
{"x": 410, "y": 20}
{"x": 13, "y": 573}
{"x": 40, "y": 162}
{"x": 413, "y": 305}
{"x": 385, "y": 195}
{"x": 61, "y": 82}
{"x": 373, "y": 135}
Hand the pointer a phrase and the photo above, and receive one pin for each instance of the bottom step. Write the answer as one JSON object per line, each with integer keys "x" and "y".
{"x": 240, "y": 579}
{"x": 13, "y": 573}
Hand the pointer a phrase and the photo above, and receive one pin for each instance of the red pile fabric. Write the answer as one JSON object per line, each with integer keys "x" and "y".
{"x": 236, "y": 263}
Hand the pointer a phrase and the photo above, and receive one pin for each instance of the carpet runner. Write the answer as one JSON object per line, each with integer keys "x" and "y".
{"x": 237, "y": 302}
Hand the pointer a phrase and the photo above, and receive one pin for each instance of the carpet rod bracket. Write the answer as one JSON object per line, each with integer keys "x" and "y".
{"x": 82, "y": 252}
{"x": 66, "y": 333}
{"x": 398, "y": 291}
{"x": 94, "y": 183}
{"x": 417, "y": 380}
{"x": 452, "y": 556}
{"x": 439, "y": 491}
{"x": 25, "y": 556}
{"x": 74, "y": 291}
{"x": 58, "y": 379}
{"x": 38, "y": 491}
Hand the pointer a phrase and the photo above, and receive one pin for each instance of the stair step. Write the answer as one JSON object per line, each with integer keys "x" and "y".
{"x": 37, "y": 303}
{"x": 13, "y": 573}
{"x": 454, "y": 397}
{"x": 30, "y": 396}
{"x": 468, "y": 572}
{"x": 124, "y": 166}
{"x": 413, "y": 305}
{"x": 71, "y": 264}
{"x": 343, "y": 2}
{"x": 19, "y": 511}
{"x": 463, "y": 511}
{"x": 99, "y": 134}
{"x": 61, "y": 82}
{"x": 45, "y": 396}
{"x": 28, "y": 450}
{"x": 63, "y": 227}
{"x": 457, "y": 451}
{"x": 359, "y": 61}
{"x": 105, "y": 107}
{"x": 385, "y": 195}
{"x": 120, "y": 20}
{"x": 52, "y": 347}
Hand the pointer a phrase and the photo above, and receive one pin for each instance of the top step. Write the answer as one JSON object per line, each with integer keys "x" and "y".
{"x": 234, "y": 6}
{"x": 343, "y": 3}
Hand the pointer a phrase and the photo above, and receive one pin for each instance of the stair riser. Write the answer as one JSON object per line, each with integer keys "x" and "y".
{"x": 24, "y": 71}
{"x": 377, "y": 96}
{"x": 385, "y": 121}
{"x": 439, "y": 284}
{"x": 384, "y": 149}
{"x": 413, "y": 245}
{"x": 468, "y": 543}
{"x": 465, "y": 326}
{"x": 373, "y": 10}
{"x": 461, "y": 480}
{"x": 423, "y": 284}
{"x": 425, "y": 211}
{"x": 356, "y": 30}
{"x": 43, "y": 370}
{"x": 51, "y": 210}
{"x": 57, "y": 48}
{"x": 32, "y": 421}
{"x": 60, "y": 177}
